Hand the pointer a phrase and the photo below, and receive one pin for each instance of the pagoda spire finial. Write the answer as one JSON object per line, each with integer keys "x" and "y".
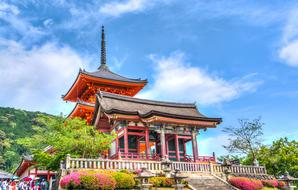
{"x": 103, "y": 64}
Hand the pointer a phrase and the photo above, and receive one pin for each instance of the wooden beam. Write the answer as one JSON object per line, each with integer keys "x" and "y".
{"x": 136, "y": 133}
{"x": 136, "y": 127}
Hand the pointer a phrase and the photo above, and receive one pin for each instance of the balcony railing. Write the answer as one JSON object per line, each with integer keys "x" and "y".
{"x": 156, "y": 157}
{"x": 156, "y": 166}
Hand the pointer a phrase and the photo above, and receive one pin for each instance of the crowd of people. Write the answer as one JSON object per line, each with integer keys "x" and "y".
{"x": 34, "y": 184}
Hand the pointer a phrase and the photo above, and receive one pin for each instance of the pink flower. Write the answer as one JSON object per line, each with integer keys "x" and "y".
{"x": 70, "y": 179}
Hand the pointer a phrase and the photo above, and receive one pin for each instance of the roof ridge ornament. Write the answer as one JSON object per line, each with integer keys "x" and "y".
{"x": 103, "y": 60}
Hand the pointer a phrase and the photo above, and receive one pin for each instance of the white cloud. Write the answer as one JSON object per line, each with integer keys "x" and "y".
{"x": 8, "y": 9}
{"x": 176, "y": 80}
{"x": 210, "y": 144}
{"x": 288, "y": 51}
{"x": 10, "y": 14}
{"x": 35, "y": 79}
{"x": 249, "y": 11}
{"x": 117, "y": 63}
{"x": 117, "y": 8}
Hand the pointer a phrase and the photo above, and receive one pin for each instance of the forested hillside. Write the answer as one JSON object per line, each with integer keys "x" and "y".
{"x": 15, "y": 124}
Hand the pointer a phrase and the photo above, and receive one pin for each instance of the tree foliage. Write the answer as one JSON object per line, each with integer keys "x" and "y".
{"x": 246, "y": 138}
{"x": 280, "y": 157}
{"x": 71, "y": 136}
{"x": 15, "y": 124}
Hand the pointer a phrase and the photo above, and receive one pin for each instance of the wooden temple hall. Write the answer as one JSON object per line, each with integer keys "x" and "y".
{"x": 146, "y": 129}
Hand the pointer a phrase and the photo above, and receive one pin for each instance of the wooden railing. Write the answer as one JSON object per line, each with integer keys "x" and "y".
{"x": 156, "y": 166}
{"x": 135, "y": 156}
{"x": 240, "y": 169}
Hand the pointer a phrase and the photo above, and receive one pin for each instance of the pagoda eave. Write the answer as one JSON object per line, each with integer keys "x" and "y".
{"x": 82, "y": 110}
{"x": 83, "y": 79}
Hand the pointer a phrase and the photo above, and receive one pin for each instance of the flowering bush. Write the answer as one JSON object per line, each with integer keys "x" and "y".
{"x": 89, "y": 182}
{"x": 70, "y": 181}
{"x": 124, "y": 180}
{"x": 99, "y": 180}
{"x": 161, "y": 182}
{"x": 270, "y": 183}
{"x": 281, "y": 185}
{"x": 137, "y": 171}
{"x": 106, "y": 182}
{"x": 246, "y": 183}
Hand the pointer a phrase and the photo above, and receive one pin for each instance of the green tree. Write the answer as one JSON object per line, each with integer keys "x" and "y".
{"x": 4, "y": 145}
{"x": 71, "y": 136}
{"x": 280, "y": 157}
{"x": 245, "y": 138}
{"x": 230, "y": 157}
{"x": 15, "y": 124}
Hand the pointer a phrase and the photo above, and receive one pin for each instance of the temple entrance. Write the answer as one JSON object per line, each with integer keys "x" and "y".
{"x": 136, "y": 146}
{"x": 176, "y": 152}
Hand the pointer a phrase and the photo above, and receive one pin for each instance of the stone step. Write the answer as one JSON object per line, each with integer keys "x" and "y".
{"x": 207, "y": 182}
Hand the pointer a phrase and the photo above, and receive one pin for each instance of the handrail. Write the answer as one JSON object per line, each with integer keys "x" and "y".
{"x": 156, "y": 166}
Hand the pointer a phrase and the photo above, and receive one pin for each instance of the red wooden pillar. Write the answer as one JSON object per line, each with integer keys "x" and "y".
{"x": 147, "y": 143}
{"x": 48, "y": 176}
{"x": 194, "y": 145}
{"x": 36, "y": 171}
{"x": 184, "y": 148}
{"x": 117, "y": 146}
{"x": 177, "y": 148}
{"x": 162, "y": 142}
{"x": 125, "y": 142}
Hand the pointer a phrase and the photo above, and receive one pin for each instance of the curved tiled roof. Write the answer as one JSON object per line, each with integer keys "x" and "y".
{"x": 113, "y": 103}
{"x": 104, "y": 72}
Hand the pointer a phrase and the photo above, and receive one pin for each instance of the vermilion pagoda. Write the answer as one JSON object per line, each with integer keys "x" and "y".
{"x": 145, "y": 129}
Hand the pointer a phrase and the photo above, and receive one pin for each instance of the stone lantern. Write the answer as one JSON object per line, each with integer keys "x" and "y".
{"x": 166, "y": 165}
{"x": 289, "y": 180}
{"x": 178, "y": 180}
{"x": 227, "y": 168}
{"x": 144, "y": 176}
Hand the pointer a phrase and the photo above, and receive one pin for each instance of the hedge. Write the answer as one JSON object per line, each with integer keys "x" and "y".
{"x": 246, "y": 183}
{"x": 161, "y": 182}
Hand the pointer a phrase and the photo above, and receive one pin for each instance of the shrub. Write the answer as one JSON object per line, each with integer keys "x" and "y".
{"x": 281, "y": 184}
{"x": 246, "y": 183}
{"x": 106, "y": 182}
{"x": 161, "y": 182}
{"x": 270, "y": 183}
{"x": 124, "y": 180}
{"x": 70, "y": 181}
{"x": 89, "y": 182}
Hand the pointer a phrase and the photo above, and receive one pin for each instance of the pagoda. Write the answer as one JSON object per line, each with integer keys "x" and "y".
{"x": 145, "y": 129}
{"x": 87, "y": 84}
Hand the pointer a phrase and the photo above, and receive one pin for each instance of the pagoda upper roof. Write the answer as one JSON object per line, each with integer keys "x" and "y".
{"x": 118, "y": 104}
{"x": 104, "y": 76}
{"x": 105, "y": 73}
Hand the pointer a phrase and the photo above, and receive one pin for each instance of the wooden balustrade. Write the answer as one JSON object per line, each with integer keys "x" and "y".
{"x": 156, "y": 166}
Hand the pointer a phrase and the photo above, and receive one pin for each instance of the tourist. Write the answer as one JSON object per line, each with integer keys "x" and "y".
{"x": 4, "y": 185}
{"x": 13, "y": 186}
{"x": 44, "y": 185}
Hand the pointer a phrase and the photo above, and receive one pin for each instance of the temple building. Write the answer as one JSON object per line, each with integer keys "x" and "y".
{"x": 146, "y": 129}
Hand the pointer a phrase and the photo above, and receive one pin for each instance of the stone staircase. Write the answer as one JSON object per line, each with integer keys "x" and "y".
{"x": 207, "y": 182}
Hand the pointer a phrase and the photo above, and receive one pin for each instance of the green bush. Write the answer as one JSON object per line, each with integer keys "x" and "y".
{"x": 161, "y": 182}
{"x": 89, "y": 182}
{"x": 124, "y": 180}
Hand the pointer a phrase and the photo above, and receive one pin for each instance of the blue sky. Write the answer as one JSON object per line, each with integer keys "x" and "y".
{"x": 235, "y": 59}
